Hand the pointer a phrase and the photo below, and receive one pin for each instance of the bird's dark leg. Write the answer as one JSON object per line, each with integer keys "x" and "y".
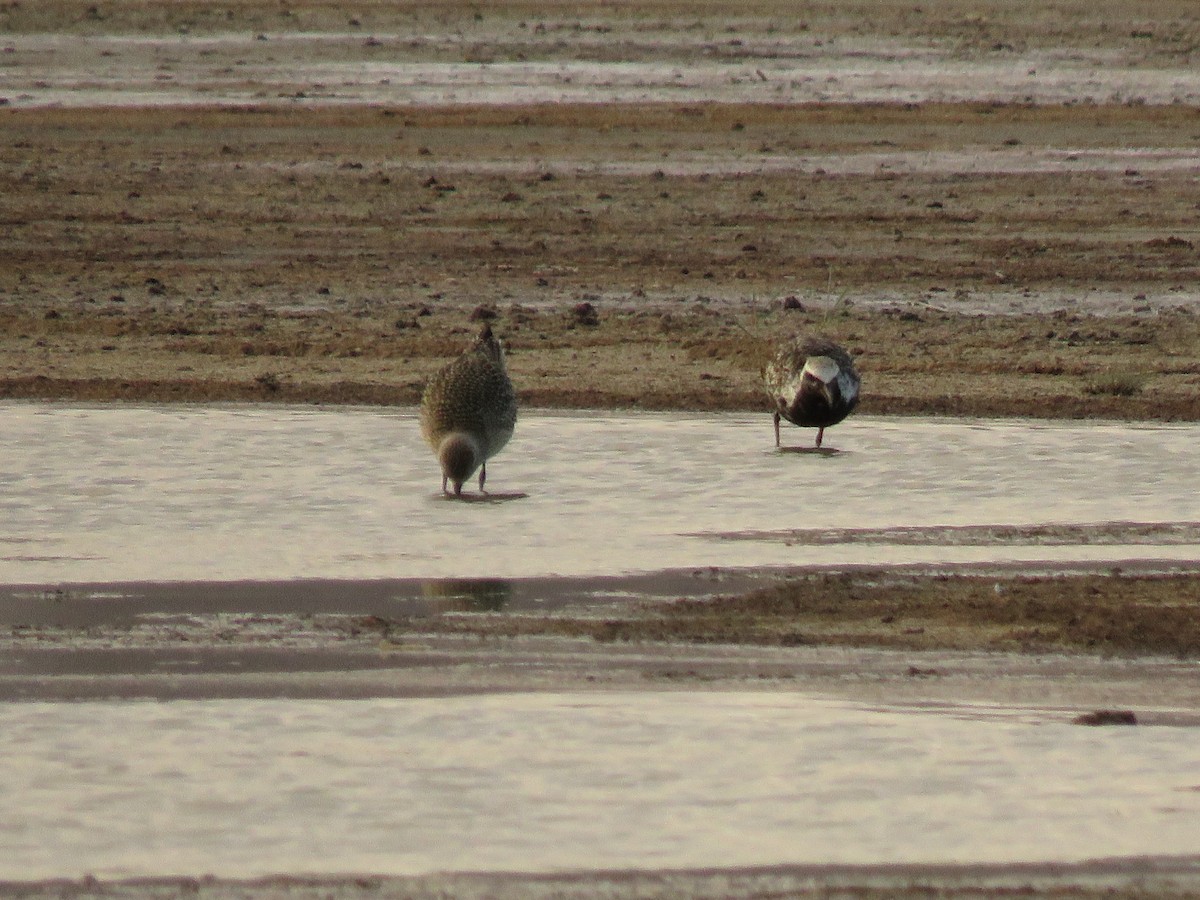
{"x": 820, "y": 434}
{"x": 776, "y": 429}
{"x": 482, "y": 477}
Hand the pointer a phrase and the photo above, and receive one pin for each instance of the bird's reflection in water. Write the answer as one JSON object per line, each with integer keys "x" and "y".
{"x": 468, "y": 594}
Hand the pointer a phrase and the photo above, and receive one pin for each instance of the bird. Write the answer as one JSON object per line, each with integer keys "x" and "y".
{"x": 469, "y": 411}
{"x": 813, "y": 383}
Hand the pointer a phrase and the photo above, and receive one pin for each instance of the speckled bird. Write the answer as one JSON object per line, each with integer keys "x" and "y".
{"x": 813, "y": 383}
{"x": 468, "y": 411}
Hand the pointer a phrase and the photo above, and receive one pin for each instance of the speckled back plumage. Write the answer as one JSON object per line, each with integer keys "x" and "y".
{"x": 812, "y": 382}
{"x": 473, "y": 398}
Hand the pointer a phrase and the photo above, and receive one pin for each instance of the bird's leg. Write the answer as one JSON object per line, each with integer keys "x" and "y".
{"x": 445, "y": 479}
{"x": 482, "y": 477}
{"x": 820, "y": 434}
{"x": 776, "y": 429}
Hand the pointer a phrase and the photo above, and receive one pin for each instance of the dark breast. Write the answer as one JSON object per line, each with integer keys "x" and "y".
{"x": 811, "y": 408}
{"x": 800, "y": 398}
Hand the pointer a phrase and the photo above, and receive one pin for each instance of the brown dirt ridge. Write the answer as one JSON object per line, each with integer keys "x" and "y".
{"x": 1112, "y": 614}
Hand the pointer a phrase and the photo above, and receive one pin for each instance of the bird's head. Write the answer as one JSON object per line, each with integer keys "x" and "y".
{"x": 460, "y": 455}
{"x": 821, "y": 373}
{"x": 488, "y": 343}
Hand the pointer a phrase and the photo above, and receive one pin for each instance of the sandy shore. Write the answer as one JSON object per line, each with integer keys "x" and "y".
{"x": 994, "y": 212}
{"x": 616, "y": 279}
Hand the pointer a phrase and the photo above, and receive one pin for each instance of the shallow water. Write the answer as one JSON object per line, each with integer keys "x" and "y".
{"x": 179, "y": 493}
{"x": 562, "y": 781}
{"x": 551, "y": 780}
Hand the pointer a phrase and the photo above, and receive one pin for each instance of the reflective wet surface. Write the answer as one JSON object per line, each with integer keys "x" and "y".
{"x": 567, "y": 781}
{"x": 163, "y": 522}
{"x": 177, "y": 493}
